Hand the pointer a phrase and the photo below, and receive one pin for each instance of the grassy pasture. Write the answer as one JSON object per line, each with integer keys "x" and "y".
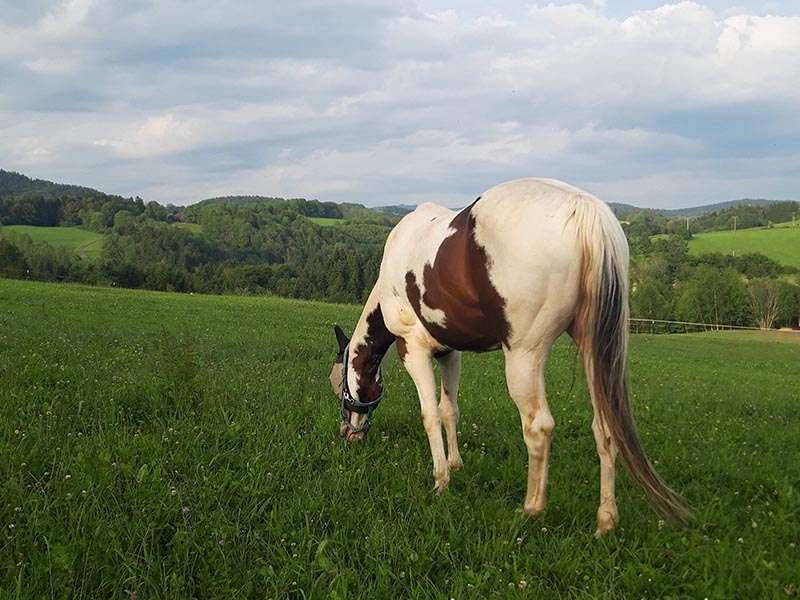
{"x": 187, "y": 446}
{"x": 781, "y": 243}
{"x": 87, "y": 244}
{"x": 326, "y": 221}
{"x": 192, "y": 227}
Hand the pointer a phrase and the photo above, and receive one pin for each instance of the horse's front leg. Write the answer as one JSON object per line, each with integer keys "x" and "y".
{"x": 419, "y": 365}
{"x": 450, "y": 365}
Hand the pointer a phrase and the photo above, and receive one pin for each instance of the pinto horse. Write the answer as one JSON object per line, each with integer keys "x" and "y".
{"x": 527, "y": 261}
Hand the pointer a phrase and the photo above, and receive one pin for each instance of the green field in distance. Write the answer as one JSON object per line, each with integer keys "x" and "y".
{"x": 326, "y": 221}
{"x": 781, "y": 243}
{"x": 86, "y": 244}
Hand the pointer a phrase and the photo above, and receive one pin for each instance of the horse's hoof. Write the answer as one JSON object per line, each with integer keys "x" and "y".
{"x": 602, "y": 531}
{"x": 606, "y": 522}
{"x": 532, "y": 511}
{"x": 455, "y": 464}
{"x": 440, "y": 487}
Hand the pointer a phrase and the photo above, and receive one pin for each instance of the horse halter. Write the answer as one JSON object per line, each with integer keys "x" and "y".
{"x": 352, "y": 405}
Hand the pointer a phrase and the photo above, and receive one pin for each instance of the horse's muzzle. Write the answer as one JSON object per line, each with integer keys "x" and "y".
{"x": 350, "y": 435}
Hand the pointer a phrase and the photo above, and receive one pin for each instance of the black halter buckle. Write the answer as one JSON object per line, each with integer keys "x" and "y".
{"x": 350, "y": 404}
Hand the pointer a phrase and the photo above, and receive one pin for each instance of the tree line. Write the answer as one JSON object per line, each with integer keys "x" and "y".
{"x": 748, "y": 290}
{"x": 261, "y": 245}
{"x": 223, "y": 245}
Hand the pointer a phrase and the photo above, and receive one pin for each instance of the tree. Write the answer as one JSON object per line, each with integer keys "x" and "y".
{"x": 788, "y": 305}
{"x": 651, "y": 299}
{"x": 675, "y": 251}
{"x": 713, "y": 295}
{"x": 764, "y": 301}
{"x": 12, "y": 260}
{"x": 124, "y": 222}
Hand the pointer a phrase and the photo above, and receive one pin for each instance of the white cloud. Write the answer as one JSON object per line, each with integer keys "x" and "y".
{"x": 66, "y": 16}
{"x": 156, "y": 136}
{"x": 391, "y": 100}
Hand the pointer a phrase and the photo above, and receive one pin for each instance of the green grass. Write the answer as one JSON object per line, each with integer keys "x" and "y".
{"x": 326, "y": 221}
{"x": 193, "y": 227}
{"x": 781, "y": 243}
{"x": 86, "y": 244}
{"x": 187, "y": 446}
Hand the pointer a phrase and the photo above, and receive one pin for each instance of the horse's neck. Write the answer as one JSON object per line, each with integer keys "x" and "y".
{"x": 371, "y": 340}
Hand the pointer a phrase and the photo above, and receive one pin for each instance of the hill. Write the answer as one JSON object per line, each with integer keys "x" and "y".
{"x": 12, "y": 183}
{"x": 320, "y": 212}
{"x": 400, "y": 210}
{"x": 239, "y": 244}
{"x": 323, "y": 250}
{"x": 697, "y": 211}
{"x": 780, "y": 243}
{"x": 624, "y": 210}
{"x": 27, "y": 201}
{"x": 187, "y": 446}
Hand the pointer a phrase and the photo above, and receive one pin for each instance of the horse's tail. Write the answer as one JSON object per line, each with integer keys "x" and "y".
{"x": 601, "y": 332}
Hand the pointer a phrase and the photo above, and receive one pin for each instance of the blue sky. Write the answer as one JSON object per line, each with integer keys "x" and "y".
{"x": 652, "y": 103}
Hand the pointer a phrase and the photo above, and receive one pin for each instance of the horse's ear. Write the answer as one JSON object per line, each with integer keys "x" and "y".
{"x": 341, "y": 338}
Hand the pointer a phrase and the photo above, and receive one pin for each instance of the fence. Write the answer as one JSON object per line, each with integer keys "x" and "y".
{"x": 662, "y": 326}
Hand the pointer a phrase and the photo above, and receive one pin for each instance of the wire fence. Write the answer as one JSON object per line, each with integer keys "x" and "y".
{"x": 663, "y": 326}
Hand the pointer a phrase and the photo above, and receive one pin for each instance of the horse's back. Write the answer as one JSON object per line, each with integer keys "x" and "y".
{"x": 526, "y": 226}
{"x": 514, "y": 252}
{"x": 529, "y": 202}
{"x": 415, "y": 239}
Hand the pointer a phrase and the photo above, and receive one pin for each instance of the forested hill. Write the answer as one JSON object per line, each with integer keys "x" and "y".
{"x": 699, "y": 211}
{"x": 624, "y": 210}
{"x": 26, "y": 201}
{"x": 12, "y": 183}
{"x": 322, "y": 250}
{"x": 252, "y": 244}
{"x": 307, "y": 208}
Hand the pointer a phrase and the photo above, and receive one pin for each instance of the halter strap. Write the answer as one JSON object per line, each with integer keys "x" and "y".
{"x": 351, "y": 404}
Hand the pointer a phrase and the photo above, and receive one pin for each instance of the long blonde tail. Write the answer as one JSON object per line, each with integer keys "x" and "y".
{"x": 601, "y": 329}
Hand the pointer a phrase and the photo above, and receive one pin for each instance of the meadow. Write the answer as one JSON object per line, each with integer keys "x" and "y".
{"x": 86, "y": 244}
{"x": 160, "y": 445}
{"x": 195, "y": 228}
{"x": 780, "y": 242}
{"x": 325, "y": 221}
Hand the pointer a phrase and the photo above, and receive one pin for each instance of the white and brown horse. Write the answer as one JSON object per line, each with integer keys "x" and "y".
{"x": 527, "y": 261}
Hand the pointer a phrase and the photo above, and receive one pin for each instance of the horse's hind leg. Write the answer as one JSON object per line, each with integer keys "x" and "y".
{"x": 525, "y": 379}
{"x": 450, "y": 364}
{"x": 607, "y": 515}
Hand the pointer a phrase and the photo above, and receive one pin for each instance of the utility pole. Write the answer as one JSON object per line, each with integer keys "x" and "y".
{"x": 687, "y": 223}
{"x": 734, "y": 223}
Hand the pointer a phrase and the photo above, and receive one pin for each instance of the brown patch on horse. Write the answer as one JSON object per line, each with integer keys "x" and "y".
{"x": 458, "y": 284}
{"x": 341, "y": 340}
{"x": 367, "y": 356}
{"x": 402, "y": 348}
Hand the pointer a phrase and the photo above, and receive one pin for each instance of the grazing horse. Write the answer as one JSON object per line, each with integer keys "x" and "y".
{"x": 527, "y": 261}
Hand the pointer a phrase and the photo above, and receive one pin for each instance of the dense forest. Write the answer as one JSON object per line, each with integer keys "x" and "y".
{"x": 265, "y": 245}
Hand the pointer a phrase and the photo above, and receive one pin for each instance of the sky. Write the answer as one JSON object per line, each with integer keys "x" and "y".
{"x": 399, "y": 101}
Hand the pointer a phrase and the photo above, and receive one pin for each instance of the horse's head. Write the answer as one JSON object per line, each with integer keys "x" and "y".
{"x": 355, "y": 412}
